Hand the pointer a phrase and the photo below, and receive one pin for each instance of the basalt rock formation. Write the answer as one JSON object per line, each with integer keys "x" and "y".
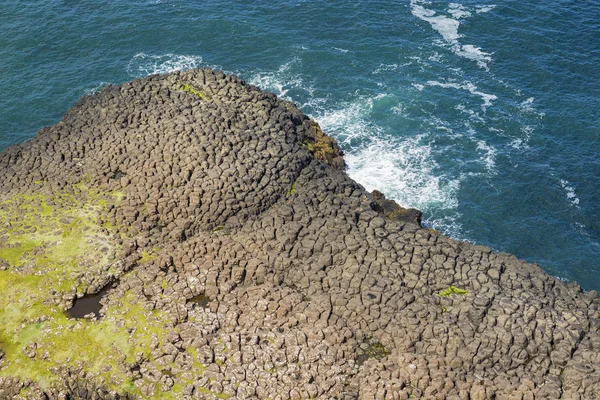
{"x": 238, "y": 260}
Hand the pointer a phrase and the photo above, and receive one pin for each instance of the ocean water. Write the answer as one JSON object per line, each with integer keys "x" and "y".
{"x": 482, "y": 114}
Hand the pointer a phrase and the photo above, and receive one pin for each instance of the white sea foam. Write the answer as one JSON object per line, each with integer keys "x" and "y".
{"x": 458, "y": 10}
{"x": 472, "y": 114}
{"x": 570, "y": 192}
{"x": 489, "y": 156}
{"x": 435, "y": 57}
{"x": 399, "y": 109}
{"x": 523, "y": 141}
{"x": 341, "y": 50}
{"x": 447, "y": 27}
{"x": 528, "y": 102}
{"x": 282, "y": 80}
{"x": 403, "y": 168}
{"x": 484, "y": 9}
{"x": 474, "y": 53}
{"x": 451, "y": 226}
{"x": 96, "y": 88}
{"x": 385, "y": 68}
{"x": 528, "y": 108}
{"x": 142, "y": 64}
{"x": 470, "y": 87}
{"x": 350, "y": 121}
{"x": 518, "y": 144}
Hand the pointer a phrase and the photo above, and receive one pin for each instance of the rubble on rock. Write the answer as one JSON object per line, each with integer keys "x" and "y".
{"x": 240, "y": 261}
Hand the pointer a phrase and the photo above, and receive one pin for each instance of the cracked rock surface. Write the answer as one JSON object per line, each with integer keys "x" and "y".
{"x": 241, "y": 262}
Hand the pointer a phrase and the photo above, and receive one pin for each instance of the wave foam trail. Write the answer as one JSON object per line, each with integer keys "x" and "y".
{"x": 448, "y": 27}
{"x": 484, "y": 9}
{"x": 458, "y": 10}
{"x": 474, "y": 53}
{"x": 142, "y": 64}
{"x": 489, "y": 156}
{"x": 471, "y": 88}
{"x": 570, "y": 192}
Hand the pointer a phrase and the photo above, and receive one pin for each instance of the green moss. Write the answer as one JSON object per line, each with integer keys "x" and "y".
{"x": 118, "y": 196}
{"x": 14, "y": 255}
{"x": 323, "y": 147}
{"x": 452, "y": 290}
{"x": 48, "y": 242}
{"x": 96, "y": 344}
{"x": 190, "y": 89}
{"x": 310, "y": 146}
{"x": 128, "y": 387}
{"x": 209, "y": 392}
{"x": 147, "y": 257}
{"x": 292, "y": 190}
{"x": 198, "y": 368}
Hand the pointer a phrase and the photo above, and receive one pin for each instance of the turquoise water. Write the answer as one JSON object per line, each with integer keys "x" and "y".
{"x": 483, "y": 115}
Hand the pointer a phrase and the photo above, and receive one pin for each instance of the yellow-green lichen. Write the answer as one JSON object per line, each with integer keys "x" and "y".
{"x": 190, "y": 89}
{"x": 48, "y": 244}
{"x": 323, "y": 147}
{"x": 209, "y": 392}
{"x": 292, "y": 190}
{"x": 310, "y": 146}
{"x": 452, "y": 290}
{"x": 148, "y": 256}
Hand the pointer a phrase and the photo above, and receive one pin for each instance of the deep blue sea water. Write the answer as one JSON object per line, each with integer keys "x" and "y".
{"x": 485, "y": 115}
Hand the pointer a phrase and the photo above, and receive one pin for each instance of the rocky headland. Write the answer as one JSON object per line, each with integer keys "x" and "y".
{"x": 188, "y": 236}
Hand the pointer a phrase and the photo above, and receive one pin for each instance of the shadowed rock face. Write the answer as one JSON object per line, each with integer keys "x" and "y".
{"x": 244, "y": 263}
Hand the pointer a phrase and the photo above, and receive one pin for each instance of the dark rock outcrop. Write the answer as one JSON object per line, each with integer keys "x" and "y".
{"x": 244, "y": 263}
{"x": 391, "y": 210}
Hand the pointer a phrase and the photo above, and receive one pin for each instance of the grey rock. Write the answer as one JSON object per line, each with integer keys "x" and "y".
{"x": 262, "y": 270}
